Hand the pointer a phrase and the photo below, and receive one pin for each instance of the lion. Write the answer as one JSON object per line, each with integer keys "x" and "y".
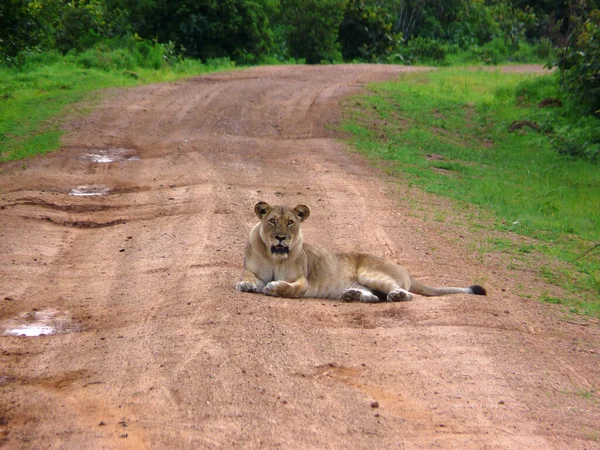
{"x": 279, "y": 263}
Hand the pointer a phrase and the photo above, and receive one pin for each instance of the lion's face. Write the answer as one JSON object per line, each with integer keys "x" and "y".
{"x": 280, "y": 227}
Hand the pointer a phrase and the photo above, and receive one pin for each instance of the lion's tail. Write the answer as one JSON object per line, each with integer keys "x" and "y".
{"x": 417, "y": 287}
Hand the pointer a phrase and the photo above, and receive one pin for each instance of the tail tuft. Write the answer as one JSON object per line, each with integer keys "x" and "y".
{"x": 478, "y": 290}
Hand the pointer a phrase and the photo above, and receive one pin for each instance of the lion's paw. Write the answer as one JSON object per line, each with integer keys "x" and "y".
{"x": 351, "y": 295}
{"x": 359, "y": 295}
{"x": 274, "y": 288}
{"x": 246, "y": 286}
{"x": 399, "y": 295}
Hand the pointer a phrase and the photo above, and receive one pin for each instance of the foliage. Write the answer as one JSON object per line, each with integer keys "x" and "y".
{"x": 465, "y": 23}
{"x": 23, "y": 24}
{"x": 366, "y": 32}
{"x": 250, "y": 31}
{"x": 127, "y": 53}
{"x": 239, "y": 29}
{"x": 421, "y": 50}
{"x": 513, "y": 22}
{"x": 206, "y": 29}
{"x": 579, "y": 63}
{"x": 313, "y": 28}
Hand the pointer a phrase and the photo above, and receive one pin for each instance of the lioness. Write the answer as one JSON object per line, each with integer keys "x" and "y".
{"x": 279, "y": 263}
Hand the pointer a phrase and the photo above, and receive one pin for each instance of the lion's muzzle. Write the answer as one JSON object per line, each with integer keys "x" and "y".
{"x": 280, "y": 249}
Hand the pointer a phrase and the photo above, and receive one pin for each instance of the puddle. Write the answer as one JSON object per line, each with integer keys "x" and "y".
{"x": 31, "y": 330}
{"x": 88, "y": 191}
{"x": 112, "y": 155}
{"x": 40, "y": 323}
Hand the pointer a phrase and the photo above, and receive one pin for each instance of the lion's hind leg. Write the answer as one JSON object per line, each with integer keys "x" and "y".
{"x": 387, "y": 281}
{"x": 359, "y": 293}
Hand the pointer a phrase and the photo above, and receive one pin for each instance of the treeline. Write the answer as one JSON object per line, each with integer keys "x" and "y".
{"x": 566, "y": 32}
{"x": 312, "y": 30}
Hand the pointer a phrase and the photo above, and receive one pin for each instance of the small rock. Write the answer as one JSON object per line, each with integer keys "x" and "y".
{"x": 9, "y": 298}
{"x": 374, "y": 404}
{"x": 101, "y": 424}
{"x": 501, "y": 402}
{"x": 124, "y": 435}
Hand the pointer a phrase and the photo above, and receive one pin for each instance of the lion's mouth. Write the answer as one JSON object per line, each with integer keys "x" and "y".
{"x": 279, "y": 249}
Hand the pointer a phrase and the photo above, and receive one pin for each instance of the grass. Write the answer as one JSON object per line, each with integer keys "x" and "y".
{"x": 37, "y": 96}
{"x": 449, "y": 131}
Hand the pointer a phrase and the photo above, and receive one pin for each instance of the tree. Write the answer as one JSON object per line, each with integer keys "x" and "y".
{"x": 239, "y": 29}
{"x": 579, "y": 63}
{"x": 312, "y": 28}
{"x": 366, "y": 31}
{"x": 25, "y": 24}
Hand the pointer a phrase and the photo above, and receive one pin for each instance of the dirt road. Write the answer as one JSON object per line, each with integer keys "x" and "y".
{"x": 127, "y": 243}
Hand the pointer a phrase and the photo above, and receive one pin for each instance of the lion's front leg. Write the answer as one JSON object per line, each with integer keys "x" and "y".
{"x": 285, "y": 289}
{"x": 249, "y": 283}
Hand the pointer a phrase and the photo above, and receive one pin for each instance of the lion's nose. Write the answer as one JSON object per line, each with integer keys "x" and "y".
{"x": 281, "y": 238}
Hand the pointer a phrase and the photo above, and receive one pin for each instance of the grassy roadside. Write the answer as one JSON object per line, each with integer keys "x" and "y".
{"x": 36, "y": 98}
{"x": 481, "y": 139}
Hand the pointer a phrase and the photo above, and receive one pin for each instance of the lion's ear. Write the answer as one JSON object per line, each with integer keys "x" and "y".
{"x": 302, "y": 211}
{"x": 261, "y": 209}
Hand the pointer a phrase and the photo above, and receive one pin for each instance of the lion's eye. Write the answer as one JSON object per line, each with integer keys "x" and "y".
{"x": 290, "y": 223}
{"x": 272, "y": 221}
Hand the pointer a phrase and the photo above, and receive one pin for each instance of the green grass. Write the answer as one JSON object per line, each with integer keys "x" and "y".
{"x": 36, "y": 97}
{"x": 447, "y": 131}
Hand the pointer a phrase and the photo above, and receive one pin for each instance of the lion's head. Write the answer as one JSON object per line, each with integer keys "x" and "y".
{"x": 280, "y": 227}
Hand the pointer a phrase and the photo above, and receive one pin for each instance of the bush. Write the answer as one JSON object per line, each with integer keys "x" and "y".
{"x": 24, "y": 26}
{"x": 313, "y": 28}
{"x": 125, "y": 54}
{"x": 580, "y": 139}
{"x": 494, "y": 52}
{"x": 579, "y": 64}
{"x": 544, "y": 49}
{"x": 239, "y": 29}
{"x": 420, "y": 49}
{"x": 366, "y": 32}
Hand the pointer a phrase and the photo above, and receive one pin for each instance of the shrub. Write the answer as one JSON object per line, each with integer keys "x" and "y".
{"x": 420, "y": 49}
{"x": 313, "y": 28}
{"x": 579, "y": 64}
{"x": 24, "y": 26}
{"x": 125, "y": 54}
{"x": 366, "y": 32}
{"x": 580, "y": 139}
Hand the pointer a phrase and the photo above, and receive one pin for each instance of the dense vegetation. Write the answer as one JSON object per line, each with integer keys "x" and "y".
{"x": 314, "y": 30}
{"x": 126, "y": 34}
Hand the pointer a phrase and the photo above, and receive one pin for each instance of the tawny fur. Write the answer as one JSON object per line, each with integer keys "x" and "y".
{"x": 279, "y": 263}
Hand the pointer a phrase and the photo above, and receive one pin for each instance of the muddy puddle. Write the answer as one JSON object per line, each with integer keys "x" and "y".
{"x": 111, "y": 155}
{"x": 36, "y": 323}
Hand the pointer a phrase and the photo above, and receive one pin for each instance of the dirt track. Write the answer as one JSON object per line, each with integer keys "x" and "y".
{"x": 158, "y": 350}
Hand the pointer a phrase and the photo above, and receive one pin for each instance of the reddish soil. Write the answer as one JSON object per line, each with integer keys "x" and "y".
{"x": 156, "y": 349}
